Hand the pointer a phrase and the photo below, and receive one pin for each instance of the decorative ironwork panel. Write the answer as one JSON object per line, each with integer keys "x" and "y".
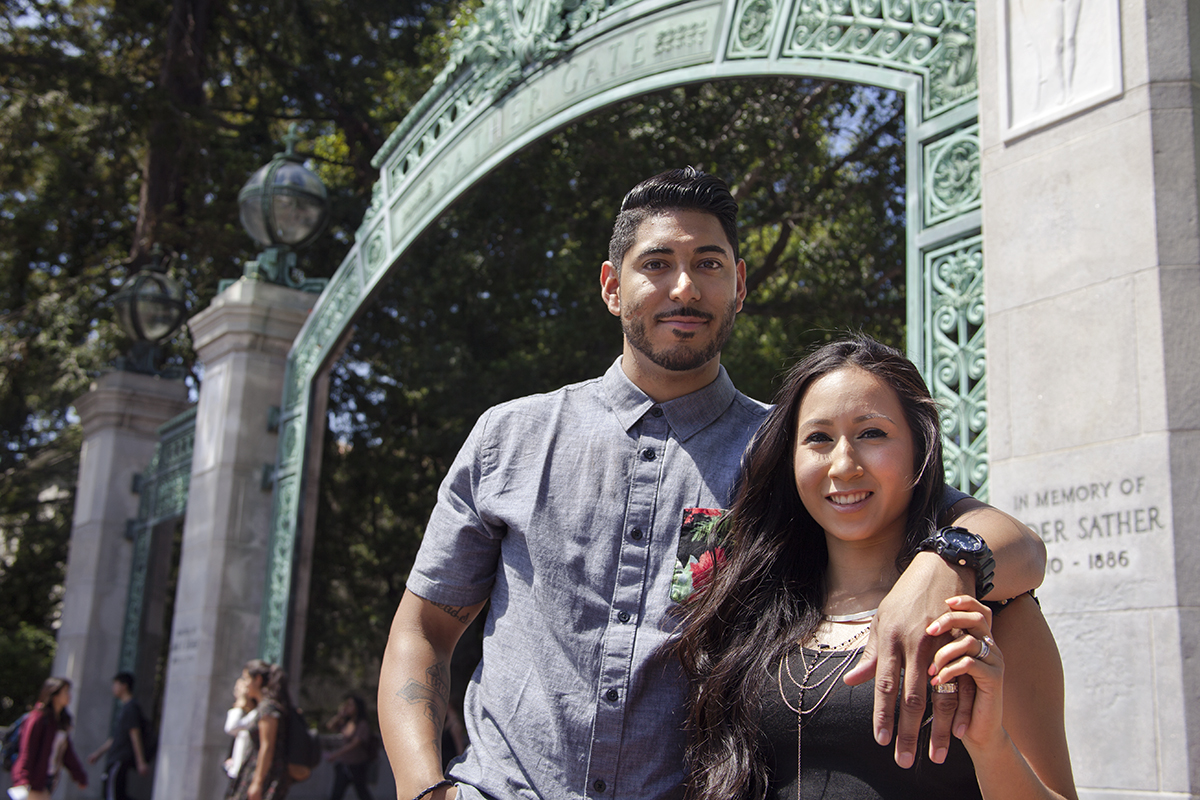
{"x": 508, "y": 40}
{"x": 752, "y": 28}
{"x": 163, "y": 492}
{"x": 955, "y": 359}
{"x": 277, "y": 597}
{"x": 376, "y": 252}
{"x": 934, "y": 38}
{"x": 953, "y": 184}
{"x": 329, "y": 319}
{"x": 165, "y": 483}
{"x": 136, "y": 601}
{"x": 954, "y": 66}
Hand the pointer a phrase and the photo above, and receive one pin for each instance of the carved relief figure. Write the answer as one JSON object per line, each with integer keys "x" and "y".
{"x": 1053, "y": 26}
{"x": 1061, "y": 56}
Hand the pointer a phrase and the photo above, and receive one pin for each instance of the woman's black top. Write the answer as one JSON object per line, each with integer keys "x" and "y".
{"x": 838, "y": 755}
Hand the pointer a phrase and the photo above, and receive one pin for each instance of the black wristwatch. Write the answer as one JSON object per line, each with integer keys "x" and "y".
{"x": 962, "y": 548}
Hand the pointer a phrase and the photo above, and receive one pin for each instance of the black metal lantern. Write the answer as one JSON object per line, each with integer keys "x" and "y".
{"x": 150, "y": 309}
{"x": 283, "y": 207}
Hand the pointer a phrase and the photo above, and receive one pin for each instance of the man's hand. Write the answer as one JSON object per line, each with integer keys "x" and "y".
{"x": 100, "y": 751}
{"x": 139, "y": 752}
{"x": 899, "y": 652}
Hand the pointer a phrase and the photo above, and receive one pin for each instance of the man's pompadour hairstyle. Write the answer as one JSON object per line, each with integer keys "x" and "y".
{"x": 687, "y": 189}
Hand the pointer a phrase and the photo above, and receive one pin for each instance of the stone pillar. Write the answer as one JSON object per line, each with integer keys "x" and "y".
{"x": 120, "y": 416}
{"x": 242, "y": 339}
{"x": 1092, "y": 258}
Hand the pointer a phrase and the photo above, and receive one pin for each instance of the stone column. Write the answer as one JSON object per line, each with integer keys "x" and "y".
{"x": 120, "y": 416}
{"x": 1092, "y": 258}
{"x": 242, "y": 339}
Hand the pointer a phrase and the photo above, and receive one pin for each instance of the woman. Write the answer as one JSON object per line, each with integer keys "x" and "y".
{"x": 241, "y": 718}
{"x": 350, "y": 761}
{"x": 264, "y": 772}
{"x": 842, "y": 483}
{"x": 46, "y": 743}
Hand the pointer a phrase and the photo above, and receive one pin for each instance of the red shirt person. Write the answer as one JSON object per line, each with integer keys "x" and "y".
{"x": 46, "y": 743}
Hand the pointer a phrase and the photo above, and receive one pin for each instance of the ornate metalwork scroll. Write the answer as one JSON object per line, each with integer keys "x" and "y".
{"x": 525, "y": 67}
{"x": 752, "y": 28}
{"x": 932, "y": 38}
{"x": 163, "y": 492}
{"x": 952, "y": 180}
{"x": 956, "y": 363}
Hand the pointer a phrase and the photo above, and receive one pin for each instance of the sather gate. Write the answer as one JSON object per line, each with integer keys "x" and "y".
{"x": 527, "y": 67}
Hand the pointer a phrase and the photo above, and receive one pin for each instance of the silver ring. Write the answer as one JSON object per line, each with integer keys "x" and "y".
{"x": 949, "y": 687}
{"x": 985, "y": 648}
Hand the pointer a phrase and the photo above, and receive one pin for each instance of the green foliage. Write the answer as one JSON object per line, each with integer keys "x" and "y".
{"x": 26, "y": 653}
{"x": 500, "y": 298}
{"x": 129, "y": 123}
{"x": 36, "y": 500}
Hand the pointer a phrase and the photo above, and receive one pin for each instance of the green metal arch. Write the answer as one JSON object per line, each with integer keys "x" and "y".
{"x": 527, "y": 67}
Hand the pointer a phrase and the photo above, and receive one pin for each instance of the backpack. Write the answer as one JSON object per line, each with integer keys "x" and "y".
{"x": 303, "y": 748}
{"x": 12, "y": 743}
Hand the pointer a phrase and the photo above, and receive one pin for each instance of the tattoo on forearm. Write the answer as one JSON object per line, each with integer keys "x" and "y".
{"x": 439, "y": 680}
{"x": 415, "y": 693}
{"x": 455, "y": 611}
{"x": 434, "y": 694}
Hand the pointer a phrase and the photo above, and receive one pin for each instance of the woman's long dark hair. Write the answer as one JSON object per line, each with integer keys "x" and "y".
{"x": 51, "y": 687}
{"x": 769, "y": 593}
{"x": 274, "y": 681}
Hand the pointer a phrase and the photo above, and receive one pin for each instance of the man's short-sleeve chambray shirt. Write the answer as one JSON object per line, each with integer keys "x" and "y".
{"x": 565, "y": 510}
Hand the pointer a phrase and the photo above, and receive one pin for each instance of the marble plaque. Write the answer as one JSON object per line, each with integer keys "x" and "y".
{"x": 1104, "y": 513}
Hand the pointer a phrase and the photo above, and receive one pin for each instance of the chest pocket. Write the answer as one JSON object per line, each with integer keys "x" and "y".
{"x": 702, "y": 547}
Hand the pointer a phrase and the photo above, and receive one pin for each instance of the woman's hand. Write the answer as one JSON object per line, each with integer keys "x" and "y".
{"x": 899, "y": 651}
{"x": 254, "y": 792}
{"x": 971, "y": 621}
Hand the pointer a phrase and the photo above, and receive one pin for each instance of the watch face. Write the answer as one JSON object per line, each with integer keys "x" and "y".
{"x": 963, "y": 541}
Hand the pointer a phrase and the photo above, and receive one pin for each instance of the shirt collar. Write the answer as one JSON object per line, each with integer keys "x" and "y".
{"x": 686, "y": 415}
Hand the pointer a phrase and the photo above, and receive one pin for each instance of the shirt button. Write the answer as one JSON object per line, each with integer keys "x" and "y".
{"x": 636, "y": 534}
{"x": 599, "y": 785}
{"x": 656, "y": 412}
{"x": 649, "y": 454}
{"x": 623, "y": 616}
{"x": 611, "y": 695}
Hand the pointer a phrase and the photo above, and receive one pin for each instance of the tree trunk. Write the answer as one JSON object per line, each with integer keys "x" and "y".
{"x": 181, "y": 92}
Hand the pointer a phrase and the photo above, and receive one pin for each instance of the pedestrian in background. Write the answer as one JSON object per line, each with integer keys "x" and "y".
{"x": 351, "y": 760}
{"x": 46, "y": 745}
{"x": 239, "y": 721}
{"x": 264, "y": 773}
{"x": 125, "y": 746}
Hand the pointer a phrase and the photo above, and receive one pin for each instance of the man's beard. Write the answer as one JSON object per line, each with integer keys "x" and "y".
{"x": 679, "y": 357}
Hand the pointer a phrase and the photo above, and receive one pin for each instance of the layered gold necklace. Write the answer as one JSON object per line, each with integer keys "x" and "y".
{"x": 823, "y": 685}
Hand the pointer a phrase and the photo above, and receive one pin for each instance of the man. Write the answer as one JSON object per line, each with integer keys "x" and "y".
{"x": 564, "y": 510}
{"x": 124, "y": 746}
